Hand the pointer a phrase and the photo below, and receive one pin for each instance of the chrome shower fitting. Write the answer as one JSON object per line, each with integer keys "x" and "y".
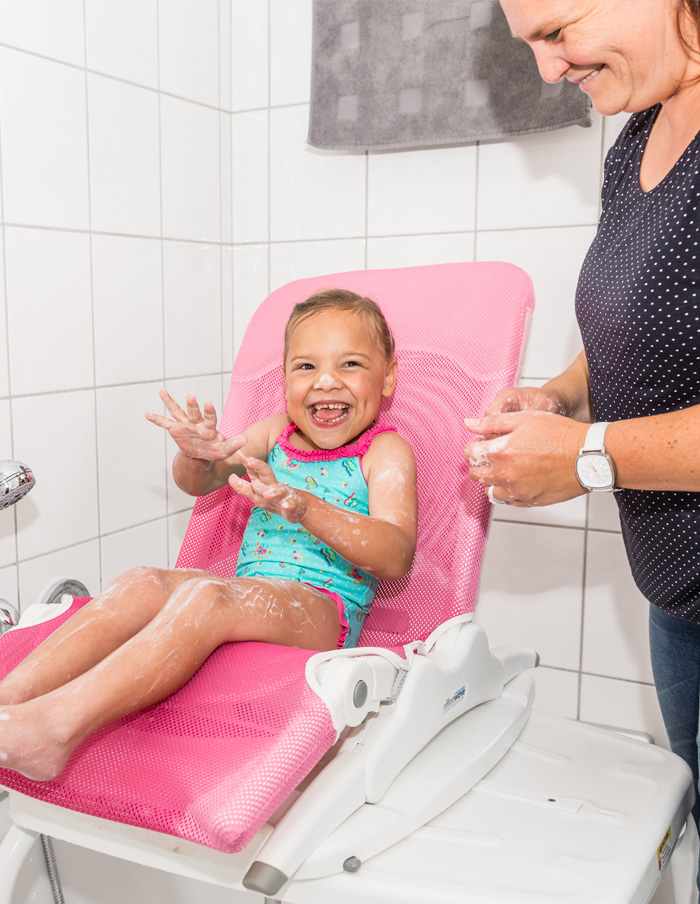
{"x": 9, "y": 616}
{"x": 16, "y": 480}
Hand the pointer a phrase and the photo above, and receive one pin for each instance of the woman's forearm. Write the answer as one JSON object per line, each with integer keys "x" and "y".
{"x": 661, "y": 452}
{"x": 573, "y": 389}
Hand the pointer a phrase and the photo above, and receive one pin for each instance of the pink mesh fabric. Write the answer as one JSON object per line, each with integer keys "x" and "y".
{"x": 215, "y": 760}
{"x": 459, "y": 333}
{"x": 209, "y": 764}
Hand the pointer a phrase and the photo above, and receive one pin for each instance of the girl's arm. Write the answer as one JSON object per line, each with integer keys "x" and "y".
{"x": 206, "y": 459}
{"x": 383, "y": 542}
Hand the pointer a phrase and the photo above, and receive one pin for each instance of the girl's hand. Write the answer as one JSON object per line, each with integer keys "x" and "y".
{"x": 265, "y": 492}
{"x": 195, "y": 433}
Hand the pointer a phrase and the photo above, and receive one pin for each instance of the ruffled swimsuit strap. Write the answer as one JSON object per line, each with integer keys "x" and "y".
{"x": 356, "y": 450}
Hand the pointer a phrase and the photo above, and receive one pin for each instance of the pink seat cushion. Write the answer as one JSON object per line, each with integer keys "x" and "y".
{"x": 216, "y": 759}
{"x": 210, "y": 763}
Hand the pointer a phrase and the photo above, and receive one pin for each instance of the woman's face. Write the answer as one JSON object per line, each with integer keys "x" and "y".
{"x": 625, "y": 54}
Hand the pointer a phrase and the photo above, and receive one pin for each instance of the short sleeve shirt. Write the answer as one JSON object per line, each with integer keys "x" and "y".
{"x": 638, "y": 307}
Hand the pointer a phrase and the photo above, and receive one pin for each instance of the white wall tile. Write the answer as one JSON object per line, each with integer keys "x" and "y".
{"x": 206, "y": 389}
{"x": 298, "y": 260}
{"x": 227, "y": 308}
{"x": 190, "y": 152}
{"x": 4, "y": 348}
{"x": 45, "y": 27}
{"x": 9, "y": 583}
{"x": 226, "y": 157}
{"x": 131, "y": 456}
{"x": 57, "y": 438}
{"x": 146, "y": 544}
{"x": 545, "y": 179}
{"x": 177, "y": 527}
{"x": 552, "y": 258}
{"x": 314, "y": 194}
{"x": 419, "y": 250}
{"x": 122, "y": 39}
{"x": 536, "y": 600}
{"x": 623, "y": 705}
{"x": 556, "y": 692}
{"x": 612, "y": 126}
{"x": 249, "y": 55}
{"x": 124, "y": 157}
{"x": 80, "y": 562}
{"x": 251, "y": 281}
{"x": 8, "y": 548}
{"x": 603, "y": 513}
{"x": 44, "y": 142}
{"x": 225, "y": 71}
{"x": 192, "y": 298}
{"x": 616, "y": 615}
{"x": 290, "y": 51}
{"x": 49, "y": 310}
{"x": 422, "y": 191}
{"x": 189, "y": 49}
{"x": 250, "y": 183}
{"x": 128, "y": 307}
{"x": 563, "y": 514}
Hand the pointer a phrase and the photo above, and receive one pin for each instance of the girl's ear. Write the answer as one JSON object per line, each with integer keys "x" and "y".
{"x": 392, "y": 368}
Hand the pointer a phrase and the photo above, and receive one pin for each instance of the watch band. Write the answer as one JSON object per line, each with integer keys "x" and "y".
{"x": 594, "y": 441}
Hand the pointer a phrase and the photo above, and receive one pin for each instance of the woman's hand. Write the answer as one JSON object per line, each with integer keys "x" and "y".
{"x": 526, "y": 398}
{"x": 527, "y": 456}
{"x": 196, "y": 434}
{"x": 265, "y": 491}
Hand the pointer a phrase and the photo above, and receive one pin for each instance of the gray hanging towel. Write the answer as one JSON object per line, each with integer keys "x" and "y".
{"x": 413, "y": 73}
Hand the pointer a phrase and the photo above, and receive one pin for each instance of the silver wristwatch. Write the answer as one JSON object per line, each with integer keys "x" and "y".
{"x": 595, "y": 469}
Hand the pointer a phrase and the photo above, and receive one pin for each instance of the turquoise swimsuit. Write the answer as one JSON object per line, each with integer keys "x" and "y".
{"x": 273, "y": 547}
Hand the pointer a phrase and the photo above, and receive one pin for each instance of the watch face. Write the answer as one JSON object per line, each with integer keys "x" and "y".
{"x": 595, "y": 471}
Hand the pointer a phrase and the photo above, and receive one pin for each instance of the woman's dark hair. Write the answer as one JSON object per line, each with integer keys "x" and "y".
{"x": 691, "y": 10}
{"x": 345, "y": 302}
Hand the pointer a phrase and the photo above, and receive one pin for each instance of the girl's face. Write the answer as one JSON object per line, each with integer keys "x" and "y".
{"x": 625, "y": 54}
{"x": 336, "y": 377}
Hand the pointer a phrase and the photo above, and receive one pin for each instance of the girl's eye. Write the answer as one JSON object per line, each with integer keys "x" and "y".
{"x": 351, "y": 364}
{"x": 306, "y": 367}
{"x": 553, "y": 35}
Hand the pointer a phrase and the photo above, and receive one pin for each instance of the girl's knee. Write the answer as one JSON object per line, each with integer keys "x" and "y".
{"x": 139, "y": 578}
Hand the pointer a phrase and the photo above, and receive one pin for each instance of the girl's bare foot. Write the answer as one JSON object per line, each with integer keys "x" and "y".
{"x": 29, "y": 746}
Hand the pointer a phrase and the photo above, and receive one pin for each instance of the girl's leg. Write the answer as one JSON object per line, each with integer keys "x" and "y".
{"x": 102, "y": 625}
{"x": 38, "y": 737}
{"x": 675, "y": 659}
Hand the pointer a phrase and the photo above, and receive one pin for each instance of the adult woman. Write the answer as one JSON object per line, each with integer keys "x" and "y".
{"x": 638, "y": 306}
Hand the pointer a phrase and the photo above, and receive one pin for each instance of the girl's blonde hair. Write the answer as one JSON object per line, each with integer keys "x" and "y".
{"x": 346, "y": 302}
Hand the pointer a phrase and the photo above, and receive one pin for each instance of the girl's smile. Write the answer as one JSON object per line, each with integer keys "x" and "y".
{"x": 336, "y": 377}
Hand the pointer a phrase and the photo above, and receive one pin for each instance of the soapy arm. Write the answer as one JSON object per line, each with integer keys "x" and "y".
{"x": 206, "y": 459}
{"x": 383, "y": 542}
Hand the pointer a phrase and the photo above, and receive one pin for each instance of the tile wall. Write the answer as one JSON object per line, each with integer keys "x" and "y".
{"x": 156, "y": 185}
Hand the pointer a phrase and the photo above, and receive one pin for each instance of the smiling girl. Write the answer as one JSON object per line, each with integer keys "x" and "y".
{"x": 334, "y": 512}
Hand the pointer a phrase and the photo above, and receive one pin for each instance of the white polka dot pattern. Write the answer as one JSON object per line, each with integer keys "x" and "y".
{"x": 638, "y": 306}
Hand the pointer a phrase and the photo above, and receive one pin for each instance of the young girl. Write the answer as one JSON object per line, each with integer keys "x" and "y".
{"x": 334, "y": 498}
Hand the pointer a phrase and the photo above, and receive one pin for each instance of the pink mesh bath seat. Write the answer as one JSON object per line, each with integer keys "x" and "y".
{"x": 213, "y": 762}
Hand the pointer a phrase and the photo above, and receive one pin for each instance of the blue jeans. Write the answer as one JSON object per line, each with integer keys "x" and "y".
{"x": 675, "y": 660}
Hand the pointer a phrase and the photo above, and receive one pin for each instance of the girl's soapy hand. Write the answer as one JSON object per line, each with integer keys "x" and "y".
{"x": 196, "y": 434}
{"x": 265, "y": 491}
{"x": 527, "y": 456}
{"x": 526, "y": 398}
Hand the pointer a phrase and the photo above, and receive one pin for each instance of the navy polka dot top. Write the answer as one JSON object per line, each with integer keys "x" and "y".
{"x": 638, "y": 307}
